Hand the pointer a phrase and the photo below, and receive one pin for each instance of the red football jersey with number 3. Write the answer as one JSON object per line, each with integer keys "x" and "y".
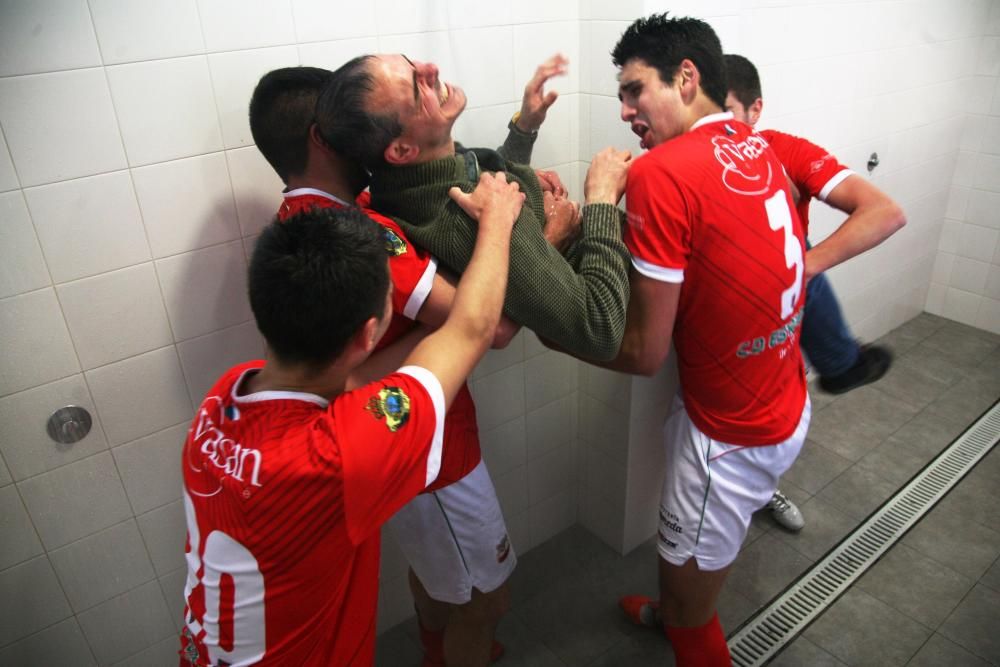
{"x": 711, "y": 209}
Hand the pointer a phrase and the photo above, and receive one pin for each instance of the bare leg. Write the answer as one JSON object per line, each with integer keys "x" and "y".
{"x": 687, "y": 594}
{"x": 468, "y": 638}
{"x": 433, "y": 615}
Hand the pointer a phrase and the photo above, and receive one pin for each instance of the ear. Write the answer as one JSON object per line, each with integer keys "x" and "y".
{"x": 316, "y": 139}
{"x": 689, "y": 78}
{"x": 401, "y": 152}
{"x": 368, "y": 336}
{"x": 754, "y": 111}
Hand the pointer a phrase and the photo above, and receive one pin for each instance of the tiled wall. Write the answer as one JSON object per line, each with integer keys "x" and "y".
{"x": 965, "y": 284}
{"x": 130, "y": 193}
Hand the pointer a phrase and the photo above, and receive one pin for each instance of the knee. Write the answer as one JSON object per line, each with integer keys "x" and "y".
{"x": 487, "y": 607}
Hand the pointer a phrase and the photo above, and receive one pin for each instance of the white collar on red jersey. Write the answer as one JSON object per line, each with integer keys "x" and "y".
{"x": 712, "y": 118}
{"x": 273, "y": 395}
{"x": 299, "y": 192}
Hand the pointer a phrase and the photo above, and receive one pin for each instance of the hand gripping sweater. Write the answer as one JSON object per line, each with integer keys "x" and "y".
{"x": 578, "y": 302}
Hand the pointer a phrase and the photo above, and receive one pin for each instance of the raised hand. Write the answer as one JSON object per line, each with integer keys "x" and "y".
{"x": 536, "y": 102}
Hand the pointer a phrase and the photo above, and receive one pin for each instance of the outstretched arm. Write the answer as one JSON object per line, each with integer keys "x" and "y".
{"x": 535, "y": 105}
{"x": 872, "y": 218}
{"x": 453, "y": 350}
{"x": 438, "y": 304}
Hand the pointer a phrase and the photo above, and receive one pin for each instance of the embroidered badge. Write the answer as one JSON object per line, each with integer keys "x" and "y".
{"x": 503, "y": 549}
{"x": 392, "y": 404}
{"x": 393, "y": 244}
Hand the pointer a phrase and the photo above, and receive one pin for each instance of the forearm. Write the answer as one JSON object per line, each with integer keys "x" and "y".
{"x": 518, "y": 145}
{"x": 478, "y": 303}
{"x": 581, "y": 306}
{"x": 862, "y": 230}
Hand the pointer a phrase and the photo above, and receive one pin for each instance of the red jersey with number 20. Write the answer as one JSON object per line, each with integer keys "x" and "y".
{"x": 813, "y": 170}
{"x": 711, "y": 209}
{"x": 412, "y": 273}
{"x": 285, "y": 493}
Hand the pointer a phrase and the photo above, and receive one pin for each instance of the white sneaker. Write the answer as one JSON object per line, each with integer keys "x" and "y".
{"x": 785, "y": 512}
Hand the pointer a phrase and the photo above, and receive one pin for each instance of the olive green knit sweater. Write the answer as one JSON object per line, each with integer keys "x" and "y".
{"x": 578, "y": 301}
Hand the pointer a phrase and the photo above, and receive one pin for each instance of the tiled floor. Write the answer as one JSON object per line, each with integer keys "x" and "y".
{"x": 933, "y": 599}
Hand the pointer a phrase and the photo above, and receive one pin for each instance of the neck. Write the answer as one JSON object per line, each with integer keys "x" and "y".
{"x": 701, "y": 107}
{"x": 333, "y": 186}
{"x": 275, "y": 376}
{"x": 445, "y": 149}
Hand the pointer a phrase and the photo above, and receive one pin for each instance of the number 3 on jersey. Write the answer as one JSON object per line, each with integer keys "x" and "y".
{"x": 233, "y": 591}
{"x": 779, "y": 216}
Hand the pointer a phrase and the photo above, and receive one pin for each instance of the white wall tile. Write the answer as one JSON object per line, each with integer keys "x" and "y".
{"x": 603, "y": 78}
{"x": 607, "y": 128}
{"x": 969, "y": 275}
{"x": 20, "y": 541}
{"x": 484, "y": 81}
{"x": 101, "y": 217}
{"x": 333, "y": 54}
{"x": 988, "y": 172}
{"x": 8, "y": 178}
{"x": 132, "y": 30}
{"x": 601, "y": 10}
{"x": 22, "y": 267}
{"x": 549, "y": 377}
{"x": 410, "y": 16}
{"x": 935, "y": 299}
{"x": 115, "y": 315}
{"x": 141, "y": 395}
{"x": 993, "y": 282}
{"x": 229, "y": 25}
{"x": 203, "y": 215}
{"x": 475, "y": 14}
{"x": 25, "y": 444}
{"x": 256, "y": 188}
{"x": 551, "y": 426}
{"x": 558, "y": 139}
{"x": 5, "y": 477}
{"x": 529, "y": 11}
{"x": 504, "y": 448}
{"x": 127, "y": 624}
{"x": 989, "y": 57}
{"x": 205, "y": 290}
{"x": 32, "y": 600}
{"x": 164, "y": 531}
{"x": 611, "y": 388}
{"x": 76, "y": 500}
{"x": 499, "y": 397}
{"x": 551, "y": 473}
{"x": 42, "y": 37}
{"x": 234, "y": 77}
{"x": 46, "y": 148}
{"x": 486, "y": 127}
{"x": 982, "y": 208}
{"x": 536, "y": 42}
{"x": 512, "y": 491}
{"x": 552, "y": 516}
{"x": 318, "y": 20}
{"x": 60, "y": 644}
{"x": 102, "y": 565}
{"x": 961, "y": 306}
{"x": 206, "y": 358}
{"x": 604, "y": 427}
{"x": 977, "y": 242}
{"x": 37, "y": 347}
{"x": 989, "y": 315}
{"x": 944, "y": 262}
{"x": 958, "y": 201}
{"x": 166, "y": 109}
{"x": 150, "y": 470}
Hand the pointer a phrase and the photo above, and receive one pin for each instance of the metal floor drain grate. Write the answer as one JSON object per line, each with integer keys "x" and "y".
{"x": 764, "y": 635}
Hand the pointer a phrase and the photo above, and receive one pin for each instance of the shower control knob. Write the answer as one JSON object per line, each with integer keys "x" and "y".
{"x": 69, "y": 424}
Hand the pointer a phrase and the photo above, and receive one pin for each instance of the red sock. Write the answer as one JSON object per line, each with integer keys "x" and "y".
{"x": 704, "y": 646}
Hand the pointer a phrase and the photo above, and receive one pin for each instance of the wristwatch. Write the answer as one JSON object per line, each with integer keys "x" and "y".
{"x": 512, "y": 125}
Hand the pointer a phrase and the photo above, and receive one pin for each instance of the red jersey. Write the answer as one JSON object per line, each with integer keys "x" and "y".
{"x": 284, "y": 494}
{"x": 711, "y": 208}
{"x": 412, "y": 272}
{"x": 813, "y": 170}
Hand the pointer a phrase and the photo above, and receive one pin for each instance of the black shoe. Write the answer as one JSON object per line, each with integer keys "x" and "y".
{"x": 872, "y": 364}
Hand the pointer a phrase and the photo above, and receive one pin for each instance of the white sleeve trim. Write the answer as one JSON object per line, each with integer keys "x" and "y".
{"x": 834, "y": 182}
{"x": 421, "y": 291}
{"x": 433, "y": 387}
{"x": 655, "y": 272}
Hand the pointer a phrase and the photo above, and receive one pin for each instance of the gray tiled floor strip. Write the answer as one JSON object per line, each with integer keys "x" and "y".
{"x": 767, "y": 632}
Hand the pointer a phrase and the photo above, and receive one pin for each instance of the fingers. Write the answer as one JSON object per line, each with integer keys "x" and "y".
{"x": 554, "y": 66}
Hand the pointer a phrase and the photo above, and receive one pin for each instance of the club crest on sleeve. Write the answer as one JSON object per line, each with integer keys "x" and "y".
{"x": 391, "y": 404}
{"x": 394, "y": 245}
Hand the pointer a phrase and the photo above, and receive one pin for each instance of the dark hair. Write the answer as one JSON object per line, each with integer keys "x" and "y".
{"x": 314, "y": 279}
{"x": 662, "y": 43}
{"x": 344, "y": 121}
{"x": 742, "y": 79}
{"x": 282, "y": 109}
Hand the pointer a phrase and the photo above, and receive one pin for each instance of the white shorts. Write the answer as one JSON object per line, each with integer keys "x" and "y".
{"x": 712, "y": 489}
{"x": 455, "y": 539}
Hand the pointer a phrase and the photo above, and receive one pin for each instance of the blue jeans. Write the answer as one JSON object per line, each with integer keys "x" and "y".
{"x": 826, "y": 339}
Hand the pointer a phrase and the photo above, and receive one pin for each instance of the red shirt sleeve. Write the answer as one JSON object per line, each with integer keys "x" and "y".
{"x": 658, "y": 233}
{"x": 390, "y": 436}
{"x": 412, "y": 269}
{"x": 813, "y": 169}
